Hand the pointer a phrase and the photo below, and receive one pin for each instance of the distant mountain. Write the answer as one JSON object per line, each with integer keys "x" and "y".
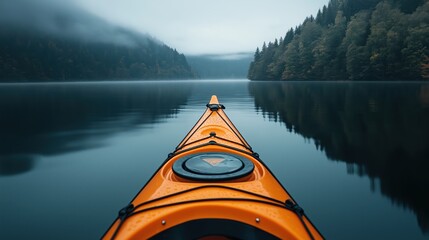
{"x": 351, "y": 40}
{"x": 50, "y": 41}
{"x": 221, "y": 66}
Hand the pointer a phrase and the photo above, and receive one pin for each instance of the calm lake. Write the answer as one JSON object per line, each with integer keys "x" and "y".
{"x": 354, "y": 155}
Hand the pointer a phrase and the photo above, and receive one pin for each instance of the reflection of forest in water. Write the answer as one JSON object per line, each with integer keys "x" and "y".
{"x": 58, "y": 118}
{"x": 379, "y": 129}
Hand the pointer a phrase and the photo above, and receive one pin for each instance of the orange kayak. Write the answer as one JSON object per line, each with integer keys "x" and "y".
{"x": 213, "y": 186}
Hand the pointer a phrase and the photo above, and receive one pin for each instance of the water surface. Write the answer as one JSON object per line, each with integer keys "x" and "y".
{"x": 354, "y": 155}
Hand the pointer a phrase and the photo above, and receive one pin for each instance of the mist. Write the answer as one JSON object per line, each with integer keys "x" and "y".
{"x": 196, "y": 27}
{"x": 64, "y": 19}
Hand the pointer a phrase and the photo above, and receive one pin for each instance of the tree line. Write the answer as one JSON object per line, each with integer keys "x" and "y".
{"x": 351, "y": 40}
{"x": 35, "y": 56}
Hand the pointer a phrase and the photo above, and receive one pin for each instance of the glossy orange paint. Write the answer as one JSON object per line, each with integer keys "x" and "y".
{"x": 244, "y": 199}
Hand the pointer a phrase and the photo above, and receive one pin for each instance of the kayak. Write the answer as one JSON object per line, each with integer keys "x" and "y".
{"x": 213, "y": 186}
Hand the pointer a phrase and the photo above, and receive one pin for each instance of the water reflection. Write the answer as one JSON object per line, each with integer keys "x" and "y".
{"x": 379, "y": 130}
{"x": 49, "y": 119}
{"x": 15, "y": 164}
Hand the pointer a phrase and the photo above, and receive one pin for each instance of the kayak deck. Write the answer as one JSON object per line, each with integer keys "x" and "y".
{"x": 213, "y": 185}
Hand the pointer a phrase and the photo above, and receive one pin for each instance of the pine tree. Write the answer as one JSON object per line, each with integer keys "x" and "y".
{"x": 357, "y": 56}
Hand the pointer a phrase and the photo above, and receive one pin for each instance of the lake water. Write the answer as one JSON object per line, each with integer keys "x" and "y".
{"x": 354, "y": 155}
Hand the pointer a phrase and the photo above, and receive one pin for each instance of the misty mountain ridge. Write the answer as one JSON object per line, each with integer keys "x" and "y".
{"x": 66, "y": 20}
{"x": 216, "y": 66}
{"x": 55, "y": 41}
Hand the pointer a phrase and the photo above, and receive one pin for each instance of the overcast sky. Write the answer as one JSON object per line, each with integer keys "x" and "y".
{"x": 207, "y": 26}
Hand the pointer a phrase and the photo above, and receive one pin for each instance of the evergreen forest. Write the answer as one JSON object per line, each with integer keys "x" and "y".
{"x": 44, "y": 57}
{"x": 351, "y": 40}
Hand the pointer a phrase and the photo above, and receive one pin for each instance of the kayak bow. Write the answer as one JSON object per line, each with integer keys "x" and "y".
{"x": 213, "y": 186}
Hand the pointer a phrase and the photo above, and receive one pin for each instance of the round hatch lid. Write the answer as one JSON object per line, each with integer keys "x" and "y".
{"x": 212, "y": 166}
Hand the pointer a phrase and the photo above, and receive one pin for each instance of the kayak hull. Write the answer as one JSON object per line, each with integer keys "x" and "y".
{"x": 230, "y": 193}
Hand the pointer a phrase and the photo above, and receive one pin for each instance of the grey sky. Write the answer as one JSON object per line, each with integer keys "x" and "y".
{"x": 207, "y": 26}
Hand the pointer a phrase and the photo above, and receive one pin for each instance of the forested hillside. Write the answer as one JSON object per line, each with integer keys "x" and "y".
{"x": 31, "y": 57}
{"x": 56, "y": 41}
{"x": 351, "y": 40}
